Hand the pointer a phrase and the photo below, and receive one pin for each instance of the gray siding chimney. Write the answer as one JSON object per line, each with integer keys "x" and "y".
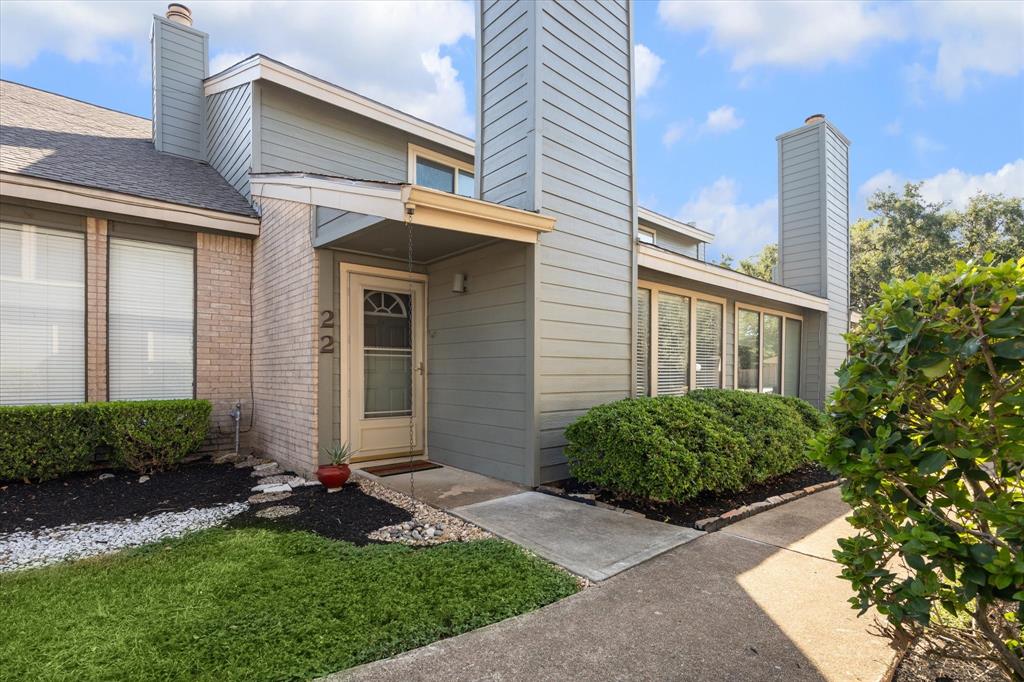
{"x": 556, "y": 136}
{"x": 180, "y": 59}
{"x": 814, "y": 241}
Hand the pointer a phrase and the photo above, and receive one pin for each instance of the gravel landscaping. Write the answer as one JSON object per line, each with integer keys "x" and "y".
{"x": 97, "y": 513}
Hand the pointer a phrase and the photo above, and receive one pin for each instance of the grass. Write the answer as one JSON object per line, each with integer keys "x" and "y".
{"x": 256, "y": 604}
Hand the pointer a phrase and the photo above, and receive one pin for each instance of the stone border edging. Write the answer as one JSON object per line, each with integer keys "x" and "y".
{"x": 713, "y": 523}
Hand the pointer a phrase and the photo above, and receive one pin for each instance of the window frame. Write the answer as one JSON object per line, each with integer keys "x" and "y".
{"x": 645, "y": 230}
{"x": 144, "y": 235}
{"x": 417, "y": 152}
{"x": 652, "y": 340}
{"x": 761, "y": 311}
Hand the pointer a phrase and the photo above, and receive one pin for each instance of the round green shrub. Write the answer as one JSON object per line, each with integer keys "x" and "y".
{"x": 929, "y": 437}
{"x": 664, "y": 448}
{"x": 776, "y": 431}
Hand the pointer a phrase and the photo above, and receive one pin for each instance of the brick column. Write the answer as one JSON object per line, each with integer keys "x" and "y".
{"x": 96, "y": 309}
{"x": 223, "y": 327}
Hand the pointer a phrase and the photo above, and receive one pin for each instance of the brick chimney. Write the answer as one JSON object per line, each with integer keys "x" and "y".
{"x": 180, "y": 63}
{"x": 814, "y": 240}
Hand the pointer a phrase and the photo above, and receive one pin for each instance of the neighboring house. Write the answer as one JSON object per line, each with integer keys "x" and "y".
{"x": 403, "y": 288}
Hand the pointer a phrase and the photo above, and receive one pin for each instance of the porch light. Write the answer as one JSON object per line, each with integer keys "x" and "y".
{"x": 459, "y": 283}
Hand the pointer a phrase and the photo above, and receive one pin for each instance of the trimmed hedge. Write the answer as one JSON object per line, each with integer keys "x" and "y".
{"x": 39, "y": 442}
{"x": 672, "y": 448}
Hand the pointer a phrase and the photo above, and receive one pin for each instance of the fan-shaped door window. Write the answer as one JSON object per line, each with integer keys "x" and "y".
{"x": 387, "y": 354}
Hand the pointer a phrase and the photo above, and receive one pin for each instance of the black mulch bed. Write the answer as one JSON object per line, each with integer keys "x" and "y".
{"x": 705, "y": 505}
{"x": 84, "y": 498}
{"x": 349, "y": 514}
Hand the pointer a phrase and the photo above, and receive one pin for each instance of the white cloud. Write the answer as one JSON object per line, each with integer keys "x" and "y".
{"x": 966, "y": 37}
{"x": 784, "y": 33}
{"x": 722, "y": 120}
{"x": 924, "y": 145}
{"x": 893, "y": 128}
{"x": 675, "y": 132}
{"x": 953, "y": 186}
{"x": 646, "y": 67}
{"x": 740, "y": 229}
{"x": 390, "y": 51}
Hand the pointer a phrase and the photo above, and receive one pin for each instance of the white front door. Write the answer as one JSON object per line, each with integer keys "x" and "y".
{"x": 385, "y": 363}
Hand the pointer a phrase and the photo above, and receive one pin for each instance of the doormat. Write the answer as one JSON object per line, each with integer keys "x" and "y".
{"x": 401, "y": 468}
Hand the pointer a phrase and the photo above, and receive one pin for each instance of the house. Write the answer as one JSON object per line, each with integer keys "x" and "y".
{"x": 350, "y": 273}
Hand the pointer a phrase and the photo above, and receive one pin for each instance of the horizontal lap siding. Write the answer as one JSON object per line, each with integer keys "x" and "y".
{"x": 800, "y": 206}
{"x": 476, "y": 362}
{"x": 179, "y": 67}
{"x": 229, "y": 135}
{"x": 584, "y": 269}
{"x": 505, "y": 83}
{"x": 297, "y": 133}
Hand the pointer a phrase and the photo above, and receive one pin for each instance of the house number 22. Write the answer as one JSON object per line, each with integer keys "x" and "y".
{"x": 327, "y": 322}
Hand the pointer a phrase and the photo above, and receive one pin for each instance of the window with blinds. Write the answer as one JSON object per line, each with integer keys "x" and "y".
{"x": 709, "y": 344}
{"x": 150, "y": 325}
{"x": 673, "y": 343}
{"x": 42, "y": 315}
{"x": 748, "y": 348}
{"x": 791, "y": 357}
{"x": 771, "y": 364}
{"x": 643, "y": 342}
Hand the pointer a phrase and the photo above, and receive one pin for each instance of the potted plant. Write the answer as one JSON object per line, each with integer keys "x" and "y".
{"x": 334, "y": 475}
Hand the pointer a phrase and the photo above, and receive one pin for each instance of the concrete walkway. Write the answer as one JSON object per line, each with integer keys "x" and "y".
{"x": 759, "y": 600}
{"x": 589, "y": 541}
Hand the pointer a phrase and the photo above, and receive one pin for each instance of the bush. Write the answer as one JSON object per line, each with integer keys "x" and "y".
{"x": 39, "y": 442}
{"x": 663, "y": 448}
{"x": 775, "y": 430}
{"x": 672, "y": 448}
{"x": 929, "y": 435}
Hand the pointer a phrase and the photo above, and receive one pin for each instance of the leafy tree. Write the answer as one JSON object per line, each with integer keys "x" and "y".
{"x": 928, "y": 436}
{"x": 908, "y": 235}
{"x": 759, "y": 266}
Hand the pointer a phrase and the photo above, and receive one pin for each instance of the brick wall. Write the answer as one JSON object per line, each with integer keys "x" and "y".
{"x": 284, "y": 306}
{"x": 96, "y": 309}
{"x": 223, "y": 330}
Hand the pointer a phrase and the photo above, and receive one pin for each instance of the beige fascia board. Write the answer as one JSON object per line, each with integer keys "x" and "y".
{"x": 261, "y": 68}
{"x": 681, "y": 266}
{"x": 344, "y": 195}
{"x": 88, "y": 199}
{"x": 453, "y": 212}
{"x": 658, "y": 220}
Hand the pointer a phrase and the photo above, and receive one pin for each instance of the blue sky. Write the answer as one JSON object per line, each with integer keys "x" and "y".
{"x": 925, "y": 91}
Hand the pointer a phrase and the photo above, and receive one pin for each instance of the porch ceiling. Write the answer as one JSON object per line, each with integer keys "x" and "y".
{"x": 371, "y": 217}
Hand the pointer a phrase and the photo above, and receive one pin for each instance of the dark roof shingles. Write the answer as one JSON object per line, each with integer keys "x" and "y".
{"x": 48, "y": 136}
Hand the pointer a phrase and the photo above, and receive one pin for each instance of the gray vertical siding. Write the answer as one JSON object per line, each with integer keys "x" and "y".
{"x": 179, "y": 66}
{"x": 814, "y": 217}
{"x": 229, "y": 135}
{"x": 476, "y": 362}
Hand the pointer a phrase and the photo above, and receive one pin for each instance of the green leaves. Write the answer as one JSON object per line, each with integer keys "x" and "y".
{"x": 928, "y": 433}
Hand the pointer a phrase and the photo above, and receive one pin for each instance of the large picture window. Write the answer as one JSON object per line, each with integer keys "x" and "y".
{"x": 42, "y": 315}
{"x": 679, "y": 340}
{"x": 767, "y": 351}
{"x": 151, "y": 320}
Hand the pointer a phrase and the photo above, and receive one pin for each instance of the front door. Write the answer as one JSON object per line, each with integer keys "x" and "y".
{"x": 386, "y": 372}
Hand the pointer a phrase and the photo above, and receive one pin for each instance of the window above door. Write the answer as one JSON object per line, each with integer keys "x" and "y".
{"x": 428, "y": 168}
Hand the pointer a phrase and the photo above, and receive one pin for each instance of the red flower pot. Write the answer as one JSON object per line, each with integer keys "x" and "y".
{"x": 332, "y": 476}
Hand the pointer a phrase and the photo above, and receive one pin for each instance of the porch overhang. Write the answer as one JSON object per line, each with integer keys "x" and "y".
{"x": 347, "y": 207}
{"x": 653, "y": 258}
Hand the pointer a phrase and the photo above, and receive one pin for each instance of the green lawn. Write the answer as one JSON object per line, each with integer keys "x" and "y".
{"x": 257, "y": 605}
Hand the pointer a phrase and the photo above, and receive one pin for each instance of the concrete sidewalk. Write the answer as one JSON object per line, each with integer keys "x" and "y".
{"x": 759, "y": 600}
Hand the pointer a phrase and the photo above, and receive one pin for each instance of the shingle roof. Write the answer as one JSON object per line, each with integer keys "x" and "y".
{"x": 57, "y": 138}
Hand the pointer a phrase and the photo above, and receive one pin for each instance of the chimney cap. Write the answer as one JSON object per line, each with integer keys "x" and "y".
{"x": 814, "y": 118}
{"x": 179, "y": 13}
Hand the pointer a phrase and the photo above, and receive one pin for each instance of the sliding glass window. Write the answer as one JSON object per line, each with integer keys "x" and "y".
{"x": 673, "y": 344}
{"x": 709, "y": 344}
{"x": 748, "y": 348}
{"x": 643, "y": 342}
{"x": 767, "y": 351}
